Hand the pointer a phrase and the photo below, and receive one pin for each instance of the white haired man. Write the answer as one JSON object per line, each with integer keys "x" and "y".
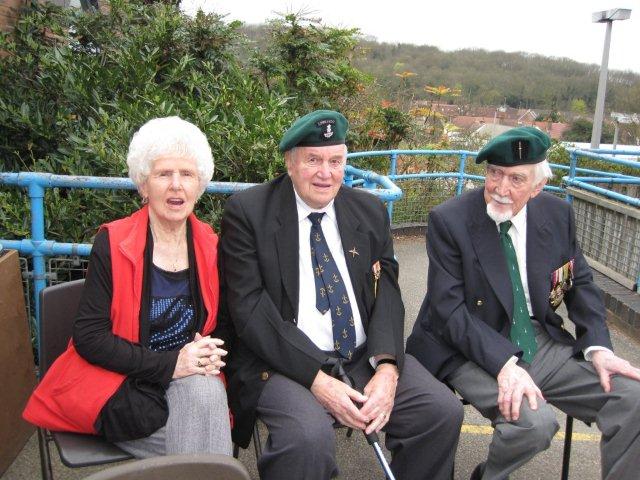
{"x": 310, "y": 275}
{"x": 501, "y": 260}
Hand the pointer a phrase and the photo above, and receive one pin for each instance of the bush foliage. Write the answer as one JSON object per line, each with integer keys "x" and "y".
{"x": 75, "y": 86}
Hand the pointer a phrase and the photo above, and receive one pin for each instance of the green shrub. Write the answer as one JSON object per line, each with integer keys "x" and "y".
{"x": 75, "y": 86}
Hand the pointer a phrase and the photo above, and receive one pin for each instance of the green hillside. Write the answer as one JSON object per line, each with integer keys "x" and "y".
{"x": 491, "y": 78}
{"x": 521, "y": 80}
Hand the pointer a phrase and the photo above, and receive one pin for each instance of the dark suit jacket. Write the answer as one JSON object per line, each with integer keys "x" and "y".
{"x": 259, "y": 250}
{"x": 467, "y": 310}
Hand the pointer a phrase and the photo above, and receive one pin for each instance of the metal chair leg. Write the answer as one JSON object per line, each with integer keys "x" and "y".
{"x": 566, "y": 454}
{"x": 236, "y": 450}
{"x": 45, "y": 456}
{"x": 257, "y": 443}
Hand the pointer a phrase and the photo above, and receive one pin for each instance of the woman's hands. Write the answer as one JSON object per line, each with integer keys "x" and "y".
{"x": 202, "y": 356}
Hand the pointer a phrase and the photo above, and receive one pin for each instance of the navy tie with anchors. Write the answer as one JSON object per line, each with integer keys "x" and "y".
{"x": 331, "y": 293}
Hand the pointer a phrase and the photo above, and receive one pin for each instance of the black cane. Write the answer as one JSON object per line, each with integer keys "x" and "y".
{"x": 338, "y": 371}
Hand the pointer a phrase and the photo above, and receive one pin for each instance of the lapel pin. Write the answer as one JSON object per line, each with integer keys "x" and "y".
{"x": 354, "y": 252}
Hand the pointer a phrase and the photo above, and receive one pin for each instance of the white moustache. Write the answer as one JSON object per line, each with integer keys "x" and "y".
{"x": 501, "y": 199}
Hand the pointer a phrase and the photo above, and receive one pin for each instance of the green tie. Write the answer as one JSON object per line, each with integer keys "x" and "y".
{"x": 522, "y": 333}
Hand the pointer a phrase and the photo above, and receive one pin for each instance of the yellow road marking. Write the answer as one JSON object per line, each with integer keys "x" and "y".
{"x": 487, "y": 430}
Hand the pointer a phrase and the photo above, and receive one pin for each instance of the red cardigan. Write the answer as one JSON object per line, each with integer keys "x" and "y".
{"x": 73, "y": 392}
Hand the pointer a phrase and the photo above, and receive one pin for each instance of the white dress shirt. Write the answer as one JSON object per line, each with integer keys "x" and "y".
{"x": 518, "y": 234}
{"x": 313, "y": 323}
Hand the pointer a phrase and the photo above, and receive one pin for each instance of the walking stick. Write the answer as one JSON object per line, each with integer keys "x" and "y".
{"x": 338, "y": 371}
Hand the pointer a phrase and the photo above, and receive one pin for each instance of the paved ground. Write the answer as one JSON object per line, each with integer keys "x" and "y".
{"x": 356, "y": 458}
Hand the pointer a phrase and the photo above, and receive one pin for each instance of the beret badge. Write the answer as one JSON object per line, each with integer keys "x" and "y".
{"x": 520, "y": 150}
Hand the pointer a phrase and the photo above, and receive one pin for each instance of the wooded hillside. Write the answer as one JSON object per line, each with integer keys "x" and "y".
{"x": 520, "y": 80}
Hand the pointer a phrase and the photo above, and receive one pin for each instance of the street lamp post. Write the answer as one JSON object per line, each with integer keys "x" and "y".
{"x": 608, "y": 17}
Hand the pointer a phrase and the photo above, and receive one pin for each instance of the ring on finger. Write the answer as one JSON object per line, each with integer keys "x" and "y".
{"x": 200, "y": 365}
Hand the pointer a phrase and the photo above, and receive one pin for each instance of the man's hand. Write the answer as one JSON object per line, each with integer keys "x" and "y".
{"x": 608, "y": 364}
{"x": 381, "y": 391}
{"x": 513, "y": 383}
{"x": 338, "y": 398}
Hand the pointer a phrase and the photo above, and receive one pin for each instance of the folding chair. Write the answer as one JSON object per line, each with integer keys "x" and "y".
{"x": 193, "y": 467}
{"x": 58, "y": 307}
{"x": 566, "y": 452}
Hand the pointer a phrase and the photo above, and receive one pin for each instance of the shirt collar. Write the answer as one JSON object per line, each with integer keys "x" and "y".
{"x": 519, "y": 221}
{"x": 304, "y": 210}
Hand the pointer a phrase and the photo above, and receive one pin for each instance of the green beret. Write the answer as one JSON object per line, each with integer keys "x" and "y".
{"x": 321, "y": 128}
{"x": 518, "y": 146}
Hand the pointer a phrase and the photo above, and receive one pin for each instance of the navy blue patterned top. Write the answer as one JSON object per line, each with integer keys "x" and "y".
{"x": 171, "y": 312}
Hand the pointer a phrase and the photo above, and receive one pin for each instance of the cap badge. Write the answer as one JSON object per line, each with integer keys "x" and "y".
{"x": 326, "y": 126}
{"x": 520, "y": 149}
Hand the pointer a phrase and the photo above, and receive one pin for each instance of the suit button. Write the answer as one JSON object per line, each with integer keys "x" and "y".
{"x": 264, "y": 376}
{"x": 479, "y": 303}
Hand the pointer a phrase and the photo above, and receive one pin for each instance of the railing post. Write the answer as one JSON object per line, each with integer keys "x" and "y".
{"x": 348, "y": 180}
{"x": 461, "y": 168}
{"x": 36, "y": 198}
{"x": 392, "y": 171}
{"x": 573, "y": 162}
{"x": 394, "y": 163}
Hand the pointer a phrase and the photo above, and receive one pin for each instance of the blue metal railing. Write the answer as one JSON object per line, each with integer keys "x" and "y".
{"x": 583, "y": 178}
{"x": 38, "y": 247}
{"x": 586, "y": 183}
{"x": 572, "y": 179}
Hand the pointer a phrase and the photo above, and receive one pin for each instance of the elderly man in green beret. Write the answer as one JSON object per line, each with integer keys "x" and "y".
{"x": 310, "y": 280}
{"x": 501, "y": 260}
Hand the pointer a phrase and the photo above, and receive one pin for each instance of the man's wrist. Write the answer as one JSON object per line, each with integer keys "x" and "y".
{"x": 513, "y": 360}
{"x": 390, "y": 361}
{"x": 390, "y": 367}
{"x": 590, "y": 351}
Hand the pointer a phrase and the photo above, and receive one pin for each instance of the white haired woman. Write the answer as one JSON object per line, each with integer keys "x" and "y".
{"x": 143, "y": 369}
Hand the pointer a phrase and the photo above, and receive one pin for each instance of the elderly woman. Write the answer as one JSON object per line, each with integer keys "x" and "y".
{"x": 143, "y": 369}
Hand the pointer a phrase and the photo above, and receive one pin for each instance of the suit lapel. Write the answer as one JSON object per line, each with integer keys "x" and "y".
{"x": 287, "y": 242}
{"x": 355, "y": 244}
{"x": 486, "y": 243}
{"x": 538, "y": 259}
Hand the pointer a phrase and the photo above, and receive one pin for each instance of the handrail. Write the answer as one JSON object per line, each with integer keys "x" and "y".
{"x": 635, "y": 202}
{"x": 613, "y": 178}
{"x": 380, "y": 185}
{"x": 36, "y": 183}
{"x": 571, "y": 179}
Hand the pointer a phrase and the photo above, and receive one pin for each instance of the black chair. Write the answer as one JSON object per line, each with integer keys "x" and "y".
{"x": 172, "y": 467}
{"x": 566, "y": 453}
{"x": 58, "y": 307}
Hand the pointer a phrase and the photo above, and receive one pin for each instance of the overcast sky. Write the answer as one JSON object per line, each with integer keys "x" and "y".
{"x": 557, "y": 28}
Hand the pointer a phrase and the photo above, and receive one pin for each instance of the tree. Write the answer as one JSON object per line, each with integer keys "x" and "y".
{"x": 578, "y": 106}
{"x": 580, "y": 131}
{"x": 75, "y": 86}
{"x": 309, "y": 62}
